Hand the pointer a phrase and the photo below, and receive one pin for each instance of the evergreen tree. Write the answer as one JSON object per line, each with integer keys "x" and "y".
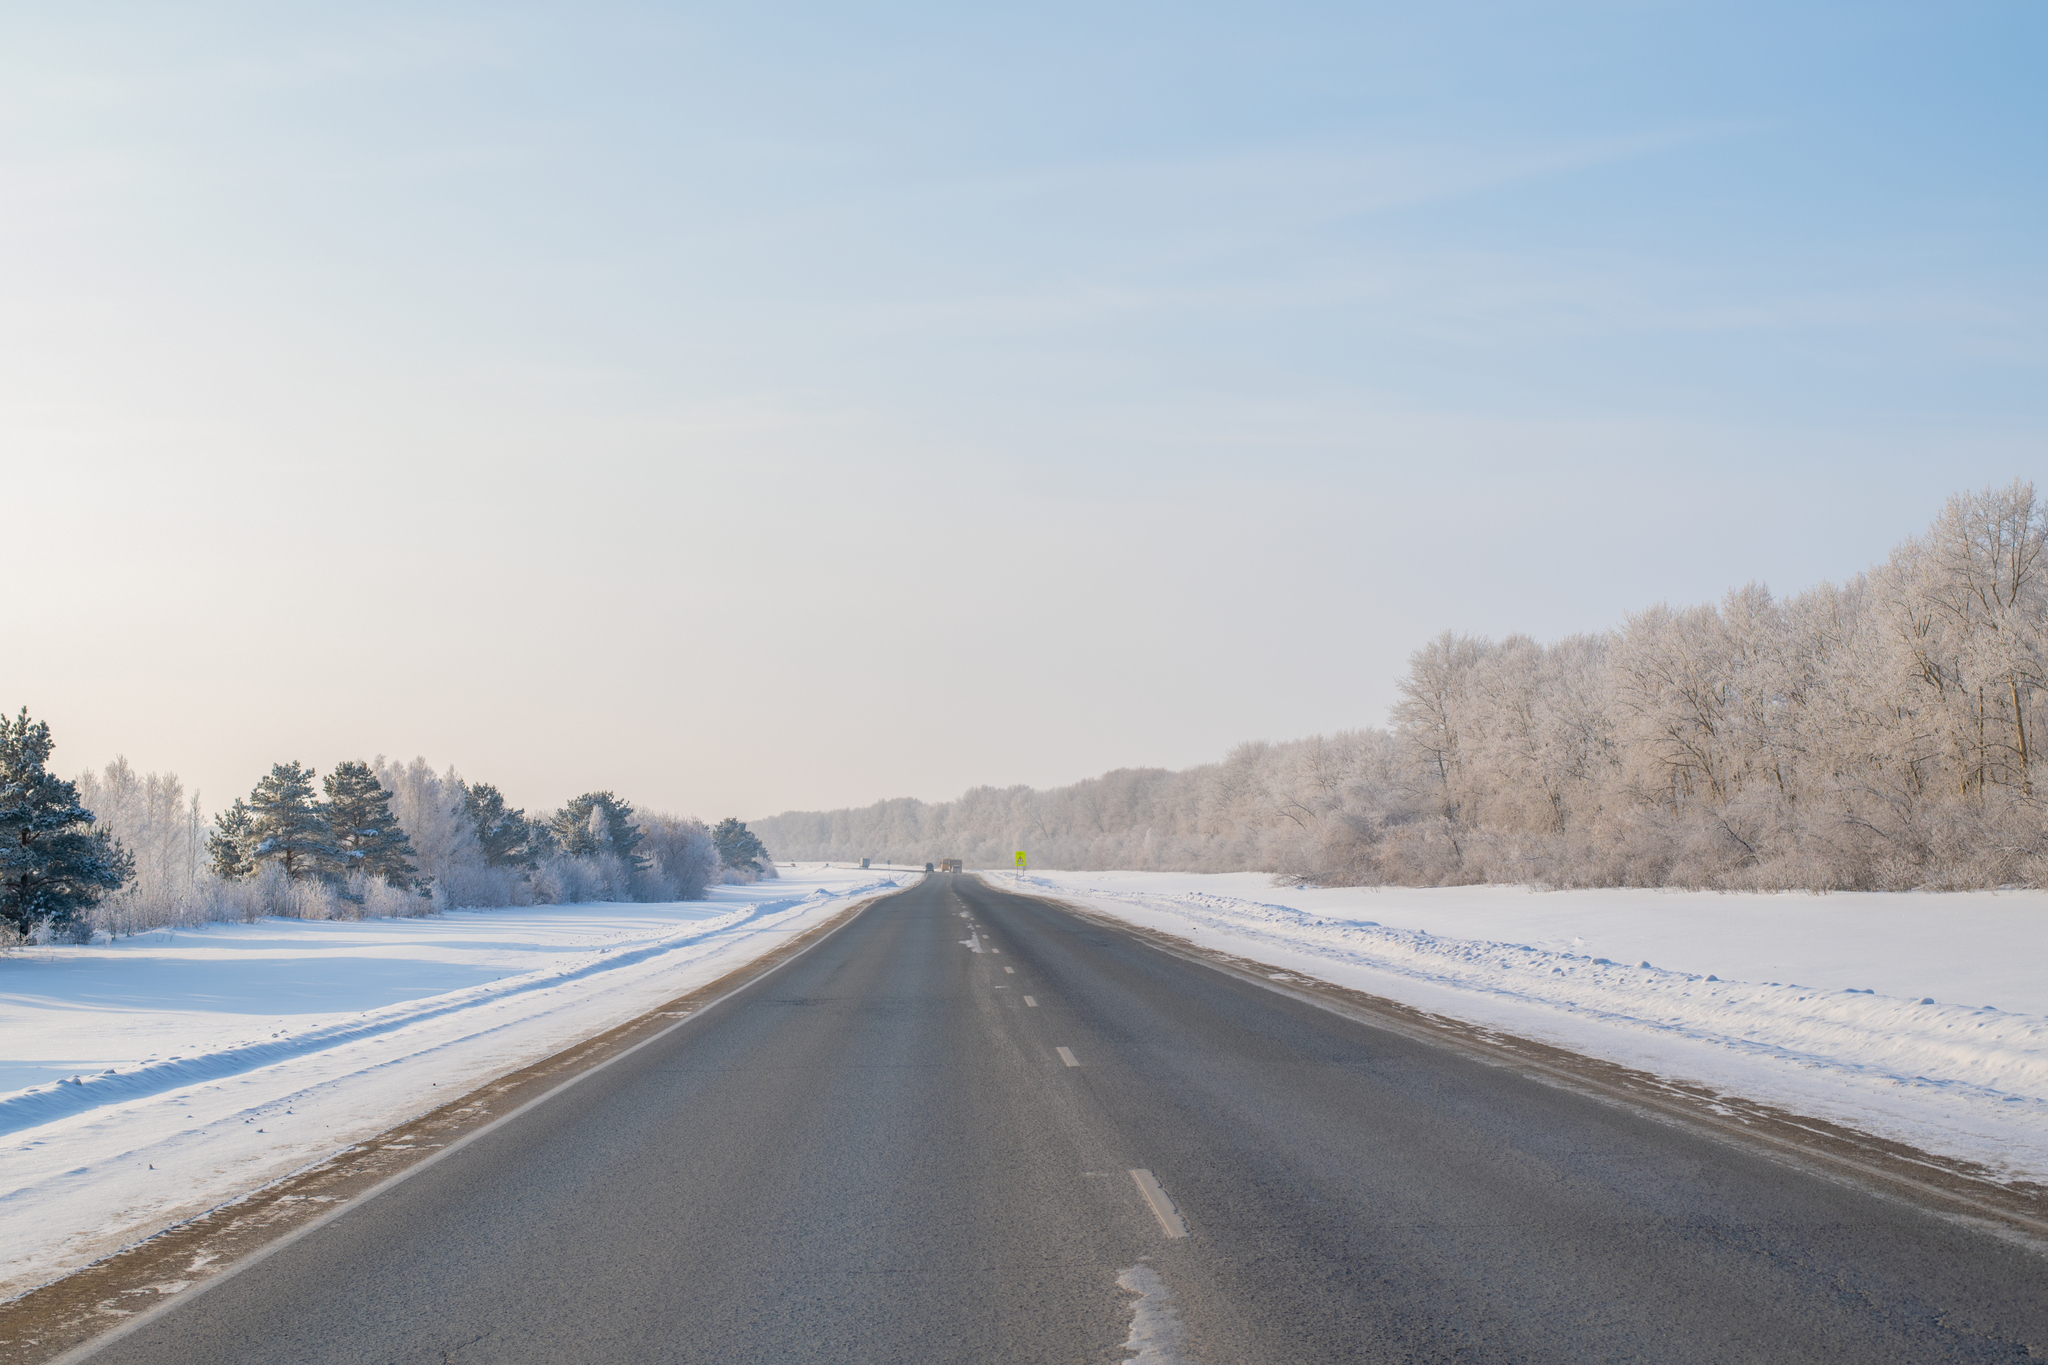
{"x": 594, "y": 823}
{"x": 290, "y": 828}
{"x": 232, "y": 846}
{"x": 53, "y": 865}
{"x": 540, "y": 837}
{"x": 365, "y": 835}
{"x": 738, "y": 847}
{"x": 503, "y": 836}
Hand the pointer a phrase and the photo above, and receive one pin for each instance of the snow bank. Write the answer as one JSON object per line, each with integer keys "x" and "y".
{"x": 149, "y": 1080}
{"x": 1920, "y": 1017}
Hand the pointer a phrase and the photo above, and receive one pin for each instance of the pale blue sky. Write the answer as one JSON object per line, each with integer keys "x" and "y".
{"x": 779, "y": 406}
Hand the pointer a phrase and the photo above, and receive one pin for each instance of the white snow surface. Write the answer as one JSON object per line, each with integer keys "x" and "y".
{"x": 1920, "y": 1017}
{"x": 147, "y": 1081}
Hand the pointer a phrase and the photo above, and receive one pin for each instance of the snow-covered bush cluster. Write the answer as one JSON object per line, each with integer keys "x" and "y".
{"x": 1881, "y": 734}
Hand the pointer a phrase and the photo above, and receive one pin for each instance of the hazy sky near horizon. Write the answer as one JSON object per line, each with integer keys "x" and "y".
{"x": 778, "y": 406}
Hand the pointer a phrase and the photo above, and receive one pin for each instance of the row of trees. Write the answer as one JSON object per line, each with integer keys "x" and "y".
{"x": 119, "y": 851}
{"x": 348, "y": 838}
{"x": 1883, "y": 733}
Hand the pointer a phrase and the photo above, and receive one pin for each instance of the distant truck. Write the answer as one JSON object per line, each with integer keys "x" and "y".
{"x": 949, "y": 864}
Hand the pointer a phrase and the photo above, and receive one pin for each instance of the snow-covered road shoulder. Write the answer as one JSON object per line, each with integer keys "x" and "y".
{"x": 146, "y": 1081}
{"x": 1871, "y": 1011}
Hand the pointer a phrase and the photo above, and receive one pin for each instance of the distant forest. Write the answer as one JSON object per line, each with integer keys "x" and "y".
{"x": 1881, "y": 734}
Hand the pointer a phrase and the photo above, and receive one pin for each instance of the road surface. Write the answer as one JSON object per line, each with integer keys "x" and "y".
{"x": 972, "y": 1127}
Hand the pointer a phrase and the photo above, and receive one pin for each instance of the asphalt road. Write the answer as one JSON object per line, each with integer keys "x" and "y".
{"x": 879, "y": 1153}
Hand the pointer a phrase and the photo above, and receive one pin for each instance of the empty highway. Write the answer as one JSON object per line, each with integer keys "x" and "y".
{"x": 971, "y": 1127}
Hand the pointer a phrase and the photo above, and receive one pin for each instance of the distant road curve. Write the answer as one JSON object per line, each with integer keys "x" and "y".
{"x": 970, "y": 1126}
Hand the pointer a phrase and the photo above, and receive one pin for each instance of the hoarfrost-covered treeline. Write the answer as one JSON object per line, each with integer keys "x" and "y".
{"x": 1884, "y": 733}
{"x": 454, "y": 844}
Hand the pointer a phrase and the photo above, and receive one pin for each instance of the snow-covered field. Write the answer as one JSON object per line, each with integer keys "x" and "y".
{"x": 1920, "y": 1017}
{"x": 146, "y": 1081}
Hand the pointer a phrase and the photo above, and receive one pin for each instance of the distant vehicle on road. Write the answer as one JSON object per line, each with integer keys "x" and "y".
{"x": 949, "y": 864}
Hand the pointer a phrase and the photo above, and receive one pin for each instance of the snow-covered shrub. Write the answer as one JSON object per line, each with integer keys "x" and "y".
{"x": 682, "y": 859}
{"x": 563, "y": 880}
{"x": 473, "y": 884}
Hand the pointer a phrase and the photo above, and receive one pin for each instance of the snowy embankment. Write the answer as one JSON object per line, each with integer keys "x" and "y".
{"x": 146, "y": 1081}
{"x": 1918, "y": 1017}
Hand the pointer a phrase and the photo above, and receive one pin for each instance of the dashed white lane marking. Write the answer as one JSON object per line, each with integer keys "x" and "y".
{"x": 1011, "y": 970}
{"x": 1067, "y": 1056}
{"x": 1162, "y": 1207}
{"x": 995, "y": 950}
{"x": 1029, "y": 1001}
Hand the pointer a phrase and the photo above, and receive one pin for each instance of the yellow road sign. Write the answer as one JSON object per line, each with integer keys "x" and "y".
{"x": 1020, "y": 859}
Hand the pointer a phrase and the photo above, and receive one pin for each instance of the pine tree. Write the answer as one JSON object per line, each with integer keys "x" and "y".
{"x": 53, "y": 865}
{"x": 365, "y": 835}
{"x": 231, "y": 848}
{"x": 501, "y": 834}
{"x": 540, "y": 837}
{"x": 290, "y": 828}
{"x": 597, "y": 822}
{"x": 739, "y": 848}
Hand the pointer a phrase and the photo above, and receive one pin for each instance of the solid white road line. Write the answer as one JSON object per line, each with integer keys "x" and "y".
{"x": 1162, "y": 1207}
{"x": 1029, "y": 1001}
{"x": 1067, "y": 1056}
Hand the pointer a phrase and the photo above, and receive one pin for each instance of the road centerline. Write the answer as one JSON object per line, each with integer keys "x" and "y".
{"x": 1162, "y": 1207}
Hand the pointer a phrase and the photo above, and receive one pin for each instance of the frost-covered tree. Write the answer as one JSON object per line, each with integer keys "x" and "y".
{"x": 739, "y": 848}
{"x": 502, "y": 834}
{"x": 364, "y": 834}
{"x": 429, "y": 808}
{"x": 597, "y": 823}
{"x": 289, "y": 827}
{"x": 231, "y": 848}
{"x": 53, "y": 865}
{"x": 154, "y": 820}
